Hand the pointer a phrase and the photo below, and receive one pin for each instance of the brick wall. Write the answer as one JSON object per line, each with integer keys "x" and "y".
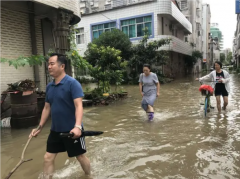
{"x": 15, "y": 42}
{"x": 72, "y": 5}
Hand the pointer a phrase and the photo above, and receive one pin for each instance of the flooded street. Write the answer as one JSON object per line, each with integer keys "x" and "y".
{"x": 179, "y": 144}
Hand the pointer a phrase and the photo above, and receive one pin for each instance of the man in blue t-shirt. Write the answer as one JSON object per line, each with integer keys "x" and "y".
{"x": 64, "y": 101}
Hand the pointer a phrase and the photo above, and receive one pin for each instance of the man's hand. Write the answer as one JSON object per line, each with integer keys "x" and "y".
{"x": 158, "y": 94}
{"x": 142, "y": 94}
{"x": 220, "y": 81}
{"x": 77, "y": 132}
{"x": 197, "y": 79}
{"x": 35, "y": 132}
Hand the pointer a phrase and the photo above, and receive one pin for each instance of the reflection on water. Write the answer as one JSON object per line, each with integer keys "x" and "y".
{"x": 180, "y": 143}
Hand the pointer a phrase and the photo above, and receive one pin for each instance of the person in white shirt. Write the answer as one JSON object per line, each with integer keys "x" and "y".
{"x": 220, "y": 80}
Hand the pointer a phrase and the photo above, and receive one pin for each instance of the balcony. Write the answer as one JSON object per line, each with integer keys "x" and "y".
{"x": 175, "y": 45}
{"x": 170, "y": 10}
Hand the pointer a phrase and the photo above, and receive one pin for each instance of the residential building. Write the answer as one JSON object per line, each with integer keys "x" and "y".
{"x": 216, "y": 33}
{"x": 193, "y": 12}
{"x": 236, "y": 43}
{"x": 33, "y": 27}
{"x": 163, "y": 19}
{"x": 206, "y": 21}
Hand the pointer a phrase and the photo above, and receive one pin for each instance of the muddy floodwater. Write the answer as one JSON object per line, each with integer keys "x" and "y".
{"x": 179, "y": 144}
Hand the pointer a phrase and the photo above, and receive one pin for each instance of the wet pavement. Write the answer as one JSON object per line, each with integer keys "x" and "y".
{"x": 179, "y": 144}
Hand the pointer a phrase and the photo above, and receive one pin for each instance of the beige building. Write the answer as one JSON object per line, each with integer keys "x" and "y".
{"x": 33, "y": 27}
{"x": 193, "y": 12}
{"x": 206, "y": 25}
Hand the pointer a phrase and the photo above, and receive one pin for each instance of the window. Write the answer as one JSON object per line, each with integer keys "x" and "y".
{"x": 134, "y": 27}
{"x": 97, "y": 30}
{"x": 80, "y": 36}
{"x": 198, "y": 26}
{"x": 183, "y": 5}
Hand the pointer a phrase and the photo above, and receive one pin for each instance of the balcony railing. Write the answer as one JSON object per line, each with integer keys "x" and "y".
{"x": 175, "y": 45}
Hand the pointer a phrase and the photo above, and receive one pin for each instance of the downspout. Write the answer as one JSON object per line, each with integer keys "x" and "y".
{"x": 31, "y": 17}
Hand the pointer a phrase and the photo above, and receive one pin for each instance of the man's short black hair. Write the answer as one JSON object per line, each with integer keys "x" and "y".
{"x": 61, "y": 59}
{"x": 219, "y": 63}
{"x": 147, "y": 65}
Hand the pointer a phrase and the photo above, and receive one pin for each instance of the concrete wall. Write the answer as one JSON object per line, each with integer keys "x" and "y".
{"x": 175, "y": 65}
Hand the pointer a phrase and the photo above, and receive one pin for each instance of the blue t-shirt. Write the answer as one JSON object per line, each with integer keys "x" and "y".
{"x": 61, "y": 99}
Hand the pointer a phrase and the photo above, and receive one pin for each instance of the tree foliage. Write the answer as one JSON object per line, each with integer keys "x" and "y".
{"x": 23, "y": 61}
{"x": 190, "y": 61}
{"x": 115, "y": 39}
{"x": 148, "y": 52}
{"x": 222, "y": 57}
{"x": 108, "y": 66}
{"x": 76, "y": 60}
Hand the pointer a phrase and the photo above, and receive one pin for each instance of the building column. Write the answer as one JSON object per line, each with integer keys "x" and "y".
{"x": 61, "y": 31}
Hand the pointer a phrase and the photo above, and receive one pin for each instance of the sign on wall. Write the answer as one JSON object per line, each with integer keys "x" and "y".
{"x": 237, "y": 6}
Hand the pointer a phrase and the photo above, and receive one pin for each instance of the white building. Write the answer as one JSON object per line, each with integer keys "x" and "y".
{"x": 162, "y": 17}
{"x": 193, "y": 12}
{"x": 206, "y": 20}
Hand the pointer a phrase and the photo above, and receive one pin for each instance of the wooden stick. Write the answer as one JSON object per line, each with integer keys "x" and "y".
{"x": 22, "y": 157}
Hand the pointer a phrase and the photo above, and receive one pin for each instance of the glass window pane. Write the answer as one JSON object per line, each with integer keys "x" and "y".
{"x": 95, "y": 34}
{"x": 132, "y": 21}
{"x": 82, "y": 39}
{"x": 139, "y": 20}
{"x": 81, "y": 30}
{"x": 113, "y": 24}
{"x": 149, "y": 26}
{"x": 78, "y": 39}
{"x": 106, "y": 25}
{"x": 100, "y": 26}
{"x": 100, "y": 32}
{"x": 125, "y": 30}
{"x": 148, "y": 19}
{"x": 124, "y": 22}
{"x": 95, "y": 27}
{"x": 132, "y": 31}
{"x": 140, "y": 32}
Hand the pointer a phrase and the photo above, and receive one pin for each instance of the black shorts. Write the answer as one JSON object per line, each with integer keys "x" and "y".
{"x": 221, "y": 92}
{"x": 57, "y": 144}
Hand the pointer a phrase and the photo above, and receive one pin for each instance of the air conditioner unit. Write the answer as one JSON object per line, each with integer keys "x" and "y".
{"x": 91, "y": 3}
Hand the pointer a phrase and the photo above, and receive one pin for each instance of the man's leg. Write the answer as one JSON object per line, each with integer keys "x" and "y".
{"x": 225, "y": 99}
{"x": 85, "y": 163}
{"x": 218, "y": 103}
{"x": 48, "y": 165}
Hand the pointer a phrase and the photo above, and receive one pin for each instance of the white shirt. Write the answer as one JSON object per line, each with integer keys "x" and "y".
{"x": 212, "y": 77}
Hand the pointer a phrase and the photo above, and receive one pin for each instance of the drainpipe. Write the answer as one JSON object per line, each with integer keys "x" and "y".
{"x": 31, "y": 17}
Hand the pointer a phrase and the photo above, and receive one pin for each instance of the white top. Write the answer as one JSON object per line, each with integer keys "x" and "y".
{"x": 212, "y": 77}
